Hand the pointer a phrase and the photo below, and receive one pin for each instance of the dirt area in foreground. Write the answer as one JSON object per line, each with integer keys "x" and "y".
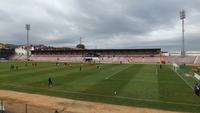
{"x": 15, "y": 102}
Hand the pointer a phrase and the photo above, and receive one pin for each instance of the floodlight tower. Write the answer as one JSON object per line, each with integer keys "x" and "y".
{"x": 28, "y": 26}
{"x": 80, "y": 40}
{"x": 182, "y": 17}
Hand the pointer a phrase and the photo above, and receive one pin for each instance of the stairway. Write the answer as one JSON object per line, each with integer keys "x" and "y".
{"x": 196, "y": 60}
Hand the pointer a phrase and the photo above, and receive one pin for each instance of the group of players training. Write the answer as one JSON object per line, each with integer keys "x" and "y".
{"x": 50, "y": 81}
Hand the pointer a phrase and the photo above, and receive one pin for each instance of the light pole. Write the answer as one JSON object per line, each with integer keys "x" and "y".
{"x": 182, "y": 17}
{"x": 28, "y": 26}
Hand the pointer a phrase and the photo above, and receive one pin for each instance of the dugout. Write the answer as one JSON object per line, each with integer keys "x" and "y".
{"x": 6, "y": 53}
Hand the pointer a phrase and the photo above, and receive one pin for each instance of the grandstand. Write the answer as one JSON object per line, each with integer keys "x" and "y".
{"x": 108, "y": 55}
{"x": 178, "y": 59}
{"x": 101, "y": 52}
{"x": 104, "y": 55}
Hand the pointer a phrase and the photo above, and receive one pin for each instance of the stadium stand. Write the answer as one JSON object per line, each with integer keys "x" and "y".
{"x": 60, "y": 58}
{"x": 104, "y": 55}
{"x": 178, "y": 59}
{"x": 107, "y": 56}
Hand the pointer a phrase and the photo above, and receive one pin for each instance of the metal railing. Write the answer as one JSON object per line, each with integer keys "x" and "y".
{"x": 13, "y": 106}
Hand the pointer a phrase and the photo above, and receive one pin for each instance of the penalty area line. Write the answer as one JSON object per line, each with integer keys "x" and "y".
{"x": 156, "y": 70}
{"x": 113, "y": 74}
{"x": 182, "y": 78}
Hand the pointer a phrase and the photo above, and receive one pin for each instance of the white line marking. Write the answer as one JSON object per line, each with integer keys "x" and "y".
{"x": 140, "y": 80}
{"x": 156, "y": 70}
{"x": 182, "y": 78}
{"x": 89, "y": 94}
{"x": 116, "y": 72}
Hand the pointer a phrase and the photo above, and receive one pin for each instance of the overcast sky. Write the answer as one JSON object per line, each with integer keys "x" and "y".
{"x": 101, "y": 23}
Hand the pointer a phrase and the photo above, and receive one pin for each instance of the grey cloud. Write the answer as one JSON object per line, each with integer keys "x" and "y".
{"x": 101, "y": 23}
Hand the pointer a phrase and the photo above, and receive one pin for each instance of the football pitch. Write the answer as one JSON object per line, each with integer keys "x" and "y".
{"x": 140, "y": 85}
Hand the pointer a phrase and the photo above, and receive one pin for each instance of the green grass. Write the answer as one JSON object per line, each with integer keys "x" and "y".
{"x": 141, "y": 85}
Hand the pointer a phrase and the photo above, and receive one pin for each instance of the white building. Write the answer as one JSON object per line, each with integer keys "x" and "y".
{"x": 22, "y": 50}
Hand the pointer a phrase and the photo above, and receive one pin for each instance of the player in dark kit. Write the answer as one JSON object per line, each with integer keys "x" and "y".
{"x": 17, "y": 68}
{"x": 197, "y": 89}
{"x": 26, "y": 64}
{"x": 12, "y": 67}
{"x": 80, "y": 68}
{"x": 50, "y": 83}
